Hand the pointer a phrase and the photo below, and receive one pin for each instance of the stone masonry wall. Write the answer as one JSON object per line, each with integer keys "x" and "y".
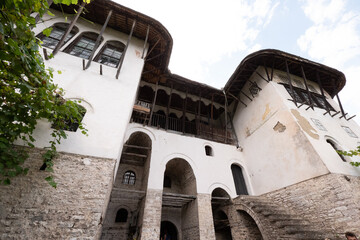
{"x": 31, "y": 209}
{"x": 330, "y": 201}
{"x": 206, "y": 222}
{"x": 152, "y": 215}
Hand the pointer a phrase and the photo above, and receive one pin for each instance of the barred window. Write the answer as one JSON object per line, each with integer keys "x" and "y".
{"x": 349, "y": 132}
{"x": 83, "y": 45}
{"x": 302, "y": 96}
{"x": 129, "y": 178}
{"x": 111, "y": 53}
{"x": 58, "y": 30}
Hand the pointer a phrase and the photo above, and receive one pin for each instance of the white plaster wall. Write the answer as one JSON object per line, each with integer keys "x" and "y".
{"x": 274, "y": 159}
{"x": 108, "y": 100}
{"x": 210, "y": 171}
{"x": 334, "y": 131}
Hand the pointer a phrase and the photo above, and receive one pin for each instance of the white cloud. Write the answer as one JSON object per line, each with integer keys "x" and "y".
{"x": 334, "y": 39}
{"x": 205, "y": 32}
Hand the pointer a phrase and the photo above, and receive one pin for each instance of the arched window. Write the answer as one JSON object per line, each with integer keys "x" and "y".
{"x": 121, "y": 215}
{"x": 167, "y": 181}
{"x": 58, "y": 30}
{"x": 70, "y": 123}
{"x": 129, "y": 178}
{"x": 239, "y": 180}
{"x": 336, "y": 148}
{"x": 208, "y": 151}
{"x": 110, "y": 54}
{"x": 83, "y": 45}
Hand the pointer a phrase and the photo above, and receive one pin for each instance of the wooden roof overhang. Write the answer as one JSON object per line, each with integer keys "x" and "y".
{"x": 159, "y": 39}
{"x": 331, "y": 79}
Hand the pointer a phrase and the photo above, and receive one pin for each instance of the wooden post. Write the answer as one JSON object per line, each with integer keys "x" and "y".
{"x": 226, "y": 115}
{"x": 322, "y": 90}
{"x": 146, "y": 39}
{"x": 68, "y": 30}
{"x": 307, "y": 88}
{"x": 341, "y": 108}
{"x": 212, "y": 115}
{"x": 97, "y": 43}
{"x": 154, "y": 101}
{"x": 124, "y": 52}
{"x": 291, "y": 86}
{"x": 167, "y": 109}
{"x": 184, "y": 111}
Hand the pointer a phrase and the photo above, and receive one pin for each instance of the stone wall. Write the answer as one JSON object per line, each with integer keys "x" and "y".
{"x": 31, "y": 209}
{"x": 330, "y": 201}
{"x": 206, "y": 222}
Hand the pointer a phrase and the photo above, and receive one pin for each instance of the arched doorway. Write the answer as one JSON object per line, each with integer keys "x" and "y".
{"x": 219, "y": 200}
{"x": 239, "y": 180}
{"x": 169, "y": 230}
{"x": 129, "y": 189}
{"x": 179, "y": 203}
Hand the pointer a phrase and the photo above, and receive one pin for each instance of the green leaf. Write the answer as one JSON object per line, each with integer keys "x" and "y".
{"x": 47, "y": 31}
{"x": 50, "y": 13}
{"x": 59, "y": 72}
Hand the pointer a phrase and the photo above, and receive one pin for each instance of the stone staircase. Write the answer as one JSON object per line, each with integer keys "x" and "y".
{"x": 279, "y": 222}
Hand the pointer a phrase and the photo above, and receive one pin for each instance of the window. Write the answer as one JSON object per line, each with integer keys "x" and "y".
{"x": 302, "y": 96}
{"x": 208, "y": 151}
{"x": 318, "y": 124}
{"x": 70, "y": 123}
{"x": 167, "y": 181}
{"x": 121, "y": 215}
{"x": 129, "y": 178}
{"x": 336, "y": 148}
{"x": 349, "y": 131}
{"x": 83, "y": 45}
{"x": 111, "y": 53}
{"x": 58, "y": 30}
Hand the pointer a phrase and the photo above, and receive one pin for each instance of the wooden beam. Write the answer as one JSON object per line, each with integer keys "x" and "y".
{"x": 135, "y": 146}
{"x": 148, "y": 53}
{"x": 322, "y": 90}
{"x": 125, "y": 50}
{"x": 68, "y": 30}
{"x": 97, "y": 43}
{"x": 168, "y": 109}
{"x": 307, "y": 88}
{"x": 154, "y": 101}
{"x": 146, "y": 39}
{"x": 291, "y": 86}
{"x": 135, "y": 154}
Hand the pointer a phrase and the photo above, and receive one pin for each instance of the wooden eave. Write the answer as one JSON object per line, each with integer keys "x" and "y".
{"x": 331, "y": 79}
{"x": 122, "y": 20}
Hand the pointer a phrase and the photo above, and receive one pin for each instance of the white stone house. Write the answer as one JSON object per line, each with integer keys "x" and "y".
{"x": 167, "y": 155}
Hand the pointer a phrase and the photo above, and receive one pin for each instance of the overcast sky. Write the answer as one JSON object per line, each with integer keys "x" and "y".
{"x": 212, "y": 37}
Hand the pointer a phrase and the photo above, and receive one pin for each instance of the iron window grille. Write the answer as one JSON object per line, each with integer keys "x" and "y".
{"x": 302, "y": 97}
{"x": 111, "y": 53}
{"x": 349, "y": 132}
{"x": 58, "y": 30}
{"x": 83, "y": 45}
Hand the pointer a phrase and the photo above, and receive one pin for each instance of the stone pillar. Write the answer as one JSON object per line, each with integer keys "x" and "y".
{"x": 152, "y": 215}
{"x": 206, "y": 222}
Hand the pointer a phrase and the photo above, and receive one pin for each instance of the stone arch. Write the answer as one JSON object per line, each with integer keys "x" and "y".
{"x": 246, "y": 174}
{"x": 220, "y": 200}
{"x": 222, "y": 186}
{"x": 246, "y": 214}
{"x": 179, "y": 202}
{"x": 182, "y": 156}
{"x": 170, "y": 228}
{"x": 144, "y": 130}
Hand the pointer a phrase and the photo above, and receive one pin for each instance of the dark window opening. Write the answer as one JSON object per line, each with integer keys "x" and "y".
{"x": 336, "y": 149}
{"x": 58, "y": 30}
{"x": 121, "y": 215}
{"x": 239, "y": 180}
{"x": 111, "y": 53}
{"x": 129, "y": 178}
{"x": 167, "y": 182}
{"x": 83, "y": 45}
{"x": 302, "y": 96}
{"x": 208, "y": 151}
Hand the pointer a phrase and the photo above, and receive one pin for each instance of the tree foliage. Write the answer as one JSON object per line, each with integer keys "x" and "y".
{"x": 27, "y": 92}
{"x": 352, "y": 153}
